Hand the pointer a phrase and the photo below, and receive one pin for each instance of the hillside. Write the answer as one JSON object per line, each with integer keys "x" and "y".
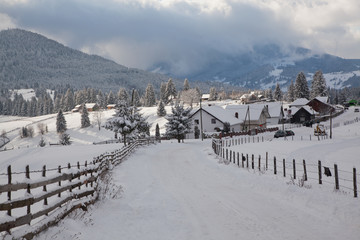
{"x": 263, "y": 66}
{"x": 28, "y": 58}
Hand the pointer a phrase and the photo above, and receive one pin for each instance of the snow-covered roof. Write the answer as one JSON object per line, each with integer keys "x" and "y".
{"x": 90, "y": 105}
{"x": 323, "y": 99}
{"x": 205, "y": 96}
{"x": 255, "y": 110}
{"x": 305, "y": 107}
{"x": 219, "y": 113}
{"x": 299, "y": 102}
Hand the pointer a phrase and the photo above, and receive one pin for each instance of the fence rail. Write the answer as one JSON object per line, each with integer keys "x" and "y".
{"x": 76, "y": 185}
{"x": 346, "y": 181}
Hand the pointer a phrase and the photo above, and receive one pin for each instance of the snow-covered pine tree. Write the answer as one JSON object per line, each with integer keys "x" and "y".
{"x": 161, "y": 112}
{"x": 42, "y": 142}
{"x": 179, "y": 122}
{"x": 186, "y": 85}
{"x": 123, "y": 95}
{"x": 60, "y": 122}
{"x": 69, "y": 100}
{"x": 301, "y": 89}
{"x": 291, "y": 92}
{"x": 149, "y": 98}
{"x": 278, "y": 93}
{"x": 64, "y": 139}
{"x": 318, "y": 85}
{"x": 85, "y": 120}
{"x": 143, "y": 127}
{"x": 122, "y": 121}
{"x": 170, "y": 90}
{"x": 213, "y": 94}
{"x": 110, "y": 99}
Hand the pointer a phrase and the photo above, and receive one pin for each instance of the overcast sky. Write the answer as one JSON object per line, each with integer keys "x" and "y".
{"x": 139, "y": 33}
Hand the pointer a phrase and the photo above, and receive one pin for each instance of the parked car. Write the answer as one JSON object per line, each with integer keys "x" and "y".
{"x": 279, "y": 133}
{"x": 308, "y": 123}
{"x": 289, "y": 133}
{"x": 356, "y": 110}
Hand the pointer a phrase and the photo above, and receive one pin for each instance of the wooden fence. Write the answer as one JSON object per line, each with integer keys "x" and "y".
{"x": 68, "y": 188}
{"x": 341, "y": 180}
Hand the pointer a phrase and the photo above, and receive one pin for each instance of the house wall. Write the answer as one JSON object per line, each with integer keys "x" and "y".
{"x": 208, "y": 126}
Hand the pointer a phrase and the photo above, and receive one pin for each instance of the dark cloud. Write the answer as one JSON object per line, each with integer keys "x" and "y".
{"x": 183, "y": 34}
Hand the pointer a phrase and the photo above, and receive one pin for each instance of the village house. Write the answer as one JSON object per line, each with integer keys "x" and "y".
{"x": 89, "y": 106}
{"x": 321, "y": 105}
{"x": 302, "y": 114}
{"x": 249, "y": 98}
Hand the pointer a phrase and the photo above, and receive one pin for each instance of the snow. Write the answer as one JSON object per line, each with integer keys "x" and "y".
{"x": 184, "y": 191}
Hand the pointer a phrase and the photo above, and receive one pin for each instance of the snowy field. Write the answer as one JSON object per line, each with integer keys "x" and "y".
{"x": 184, "y": 191}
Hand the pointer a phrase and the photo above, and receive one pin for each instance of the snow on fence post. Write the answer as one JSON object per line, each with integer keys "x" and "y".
{"x": 27, "y": 175}
{"x": 266, "y": 164}
{"x": 44, "y": 187}
{"x": 305, "y": 173}
{"x": 294, "y": 169}
{"x": 59, "y": 171}
{"x": 9, "y": 192}
{"x": 355, "y": 183}
{"x": 284, "y": 169}
{"x": 275, "y": 165}
{"x": 252, "y": 161}
{"x": 319, "y": 169}
{"x": 336, "y": 177}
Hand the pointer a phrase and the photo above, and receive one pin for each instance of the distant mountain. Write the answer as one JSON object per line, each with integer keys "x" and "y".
{"x": 28, "y": 58}
{"x": 264, "y": 66}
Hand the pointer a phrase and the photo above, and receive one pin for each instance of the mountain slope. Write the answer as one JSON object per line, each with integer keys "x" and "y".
{"x": 29, "y": 58}
{"x": 264, "y": 66}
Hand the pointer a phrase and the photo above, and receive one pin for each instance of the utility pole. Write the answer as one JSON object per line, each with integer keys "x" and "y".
{"x": 201, "y": 123}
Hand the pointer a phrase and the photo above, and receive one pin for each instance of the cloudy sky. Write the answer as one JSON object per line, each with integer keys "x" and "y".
{"x": 139, "y": 33}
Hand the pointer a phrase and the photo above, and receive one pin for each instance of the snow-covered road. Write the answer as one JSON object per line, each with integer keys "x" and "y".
{"x": 181, "y": 191}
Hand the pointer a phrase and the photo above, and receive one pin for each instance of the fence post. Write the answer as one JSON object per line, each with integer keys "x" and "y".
{"x": 69, "y": 166}
{"x": 238, "y": 156}
{"x": 44, "y": 187}
{"x": 230, "y": 156}
{"x": 259, "y": 162}
{"x": 59, "y": 171}
{"x": 27, "y": 173}
{"x": 252, "y": 161}
{"x": 284, "y": 169}
{"x": 275, "y": 165}
{"x": 266, "y": 161}
{"x": 227, "y": 154}
{"x": 319, "y": 168}
{"x": 336, "y": 177}
{"x": 242, "y": 160}
{"x": 86, "y": 184}
{"x": 247, "y": 160}
{"x": 294, "y": 169}
{"x": 355, "y": 184}
{"x": 78, "y": 166}
{"x": 234, "y": 158}
{"x": 9, "y": 192}
{"x": 305, "y": 174}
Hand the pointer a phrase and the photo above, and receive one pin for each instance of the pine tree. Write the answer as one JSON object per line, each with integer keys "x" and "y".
{"x": 291, "y": 92}
{"x": 149, "y": 98}
{"x": 42, "y": 142}
{"x": 179, "y": 122}
{"x": 69, "y": 100}
{"x": 85, "y": 121}
{"x": 278, "y": 93}
{"x": 60, "y": 122}
{"x": 157, "y": 131}
{"x": 143, "y": 127}
{"x": 163, "y": 95}
{"x": 123, "y": 95}
{"x": 135, "y": 98}
{"x": 213, "y": 94}
{"x": 318, "y": 85}
{"x": 64, "y": 139}
{"x": 123, "y": 121}
{"x": 301, "y": 89}
{"x": 161, "y": 112}
{"x": 186, "y": 85}
{"x": 110, "y": 99}
{"x": 170, "y": 90}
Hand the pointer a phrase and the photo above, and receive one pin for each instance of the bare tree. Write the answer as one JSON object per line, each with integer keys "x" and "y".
{"x": 97, "y": 118}
{"x": 42, "y": 128}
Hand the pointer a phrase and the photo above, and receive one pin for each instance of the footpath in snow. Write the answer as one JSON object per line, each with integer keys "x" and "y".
{"x": 182, "y": 191}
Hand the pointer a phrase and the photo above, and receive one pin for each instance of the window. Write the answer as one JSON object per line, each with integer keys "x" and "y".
{"x": 237, "y": 115}
{"x": 196, "y": 121}
{"x": 213, "y": 121}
